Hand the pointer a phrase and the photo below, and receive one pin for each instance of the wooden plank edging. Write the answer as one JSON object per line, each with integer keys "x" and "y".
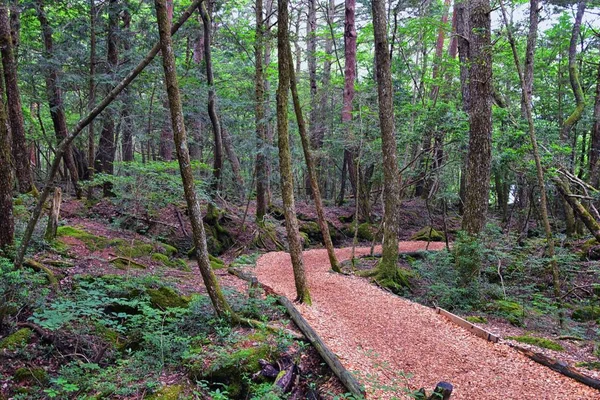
{"x": 347, "y": 379}
{"x": 482, "y": 333}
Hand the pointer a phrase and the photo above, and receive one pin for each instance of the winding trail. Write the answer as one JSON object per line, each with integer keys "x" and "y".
{"x": 380, "y": 334}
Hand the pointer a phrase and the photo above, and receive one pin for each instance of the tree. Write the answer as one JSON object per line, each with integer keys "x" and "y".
{"x": 285, "y": 157}
{"x": 7, "y": 222}
{"x": 388, "y": 272}
{"x": 55, "y": 98}
{"x": 20, "y": 152}
{"x": 480, "y": 118}
{"x": 260, "y": 114}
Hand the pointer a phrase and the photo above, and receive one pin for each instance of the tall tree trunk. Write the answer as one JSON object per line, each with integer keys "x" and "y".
{"x": 55, "y": 101}
{"x": 595, "y": 140}
{"x": 260, "y": 122}
{"x": 20, "y": 151}
{"x": 106, "y": 145}
{"x": 285, "y": 156}
{"x": 92, "y": 91}
{"x": 212, "y": 106}
{"x": 574, "y": 74}
{"x": 222, "y": 309}
{"x": 311, "y": 58}
{"x": 81, "y": 125}
{"x": 234, "y": 161}
{"x": 7, "y": 221}
{"x": 388, "y": 269}
{"x": 534, "y": 17}
{"x": 312, "y": 172}
{"x": 127, "y": 138}
{"x": 480, "y": 118}
{"x": 462, "y": 34}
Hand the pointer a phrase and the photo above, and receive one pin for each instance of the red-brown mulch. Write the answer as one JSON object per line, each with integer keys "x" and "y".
{"x": 379, "y": 334}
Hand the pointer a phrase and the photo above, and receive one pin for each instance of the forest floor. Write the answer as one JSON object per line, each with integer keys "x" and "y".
{"x": 393, "y": 343}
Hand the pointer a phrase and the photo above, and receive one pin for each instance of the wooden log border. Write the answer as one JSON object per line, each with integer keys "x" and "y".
{"x": 347, "y": 379}
{"x": 477, "y": 331}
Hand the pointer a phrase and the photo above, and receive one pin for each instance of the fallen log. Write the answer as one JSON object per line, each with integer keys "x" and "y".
{"x": 559, "y": 366}
{"x": 347, "y": 379}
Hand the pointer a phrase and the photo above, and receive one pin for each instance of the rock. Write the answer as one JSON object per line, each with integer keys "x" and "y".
{"x": 312, "y": 230}
{"x": 428, "y": 234}
{"x": 166, "y": 297}
{"x": 367, "y": 232}
{"x": 276, "y": 212}
{"x": 586, "y": 313}
{"x": 170, "y": 392}
{"x": 590, "y": 250}
{"x": 16, "y": 340}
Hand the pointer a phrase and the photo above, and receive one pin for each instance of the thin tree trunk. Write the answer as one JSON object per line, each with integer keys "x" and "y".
{"x": 81, "y": 125}
{"x": 92, "y": 92}
{"x": 534, "y": 17}
{"x": 574, "y": 74}
{"x": 127, "y": 139}
{"x": 220, "y": 305}
{"x": 595, "y": 138}
{"x": 20, "y": 151}
{"x": 311, "y": 58}
{"x": 212, "y": 106}
{"x": 7, "y": 221}
{"x": 480, "y": 118}
{"x": 57, "y": 111}
{"x": 312, "y": 173}
{"x": 260, "y": 122}
{"x": 234, "y": 161}
{"x": 285, "y": 157}
{"x": 388, "y": 269}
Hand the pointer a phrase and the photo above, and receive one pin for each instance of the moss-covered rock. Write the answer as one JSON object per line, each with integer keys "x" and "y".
{"x": 16, "y": 339}
{"x": 170, "y": 392}
{"x": 34, "y": 375}
{"x": 365, "y": 231}
{"x": 537, "y": 341}
{"x": 312, "y": 230}
{"x": 216, "y": 263}
{"x": 92, "y": 242}
{"x": 428, "y": 234}
{"x": 166, "y": 297}
{"x": 126, "y": 263}
{"x": 586, "y": 313}
{"x": 135, "y": 249}
{"x": 176, "y": 263}
{"x": 168, "y": 249}
{"x": 276, "y": 212}
{"x": 590, "y": 250}
{"x": 230, "y": 368}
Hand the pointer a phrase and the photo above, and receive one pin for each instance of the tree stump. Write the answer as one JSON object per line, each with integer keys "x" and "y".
{"x": 53, "y": 215}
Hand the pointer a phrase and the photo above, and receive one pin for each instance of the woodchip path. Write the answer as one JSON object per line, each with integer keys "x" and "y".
{"x": 382, "y": 335}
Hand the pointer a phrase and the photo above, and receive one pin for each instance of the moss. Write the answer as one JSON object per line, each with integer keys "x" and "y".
{"x": 366, "y": 231}
{"x": 135, "y": 249}
{"x": 428, "y": 234}
{"x": 586, "y": 313}
{"x": 32, "y": 375}
{"x": 312, "y": 230}
{"x": 16, "y": 340}
{"x": 171, "y": 392}
{"x": 475, "y": 319}
{"x": 92, "y": 242}
{"x": 125, "y": 264}
{"x": 165, "y": 297}
{"x": 168, "y": 249}
{"x": 510, "y": 310}
{"x": 161, "y": 258}
{"x": 395, "y": 279}
{"x": 537, "y": 341}
{"x": 594, "y": 365}
{"x": 216, "y": 263}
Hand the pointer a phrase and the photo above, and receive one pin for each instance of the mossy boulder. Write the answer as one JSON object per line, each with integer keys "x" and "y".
{"x": 365, "y": 232}
{"x": 15, "y": 340}
{"x": 510, "y": 310}
{"x": 34, "y": 375}
{"x": 92, "y": 242}
{"x": 170, "y": 392}
{"x": 166, "y": 297}
{"x": 312, "y": 230}
{"x": 125, "y": 264}
{"x": 230, "y": 368}
{"x": 176, "y": 263}
{"x": 216, "y": 263}
{"x": 590, "y": 250}
{"x": 586, "y": 313}
{"x": 428, "y": 234}
{"x": 276, "y": 212}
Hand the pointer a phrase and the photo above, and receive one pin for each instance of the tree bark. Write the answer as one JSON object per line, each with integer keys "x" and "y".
{"x": 234, "y": 161}
{"x": 260, "y": 122}
{"x": 20, "y": 151}
{"x": 55, "y": 101}
{"x": 92, "y": 91}
{"x": 574, "y": 74}
{"x": 81, "y": 125}
{"x": 391, "y": 190}
{"x": 480, "y": 118}
{"x": 312, "y": 173}
{"x": 285, "y": 157}
{"x": 212, "y": 106}
{"x": 534, "y": 17}
{"x": 221, "y": 306}
{"x": 462, "y": 33}
{"x": 7, "y": 221}
{"x": 595, "y": 138}
{"x": 127, "y": 138}
{"x": 311, "y": 58}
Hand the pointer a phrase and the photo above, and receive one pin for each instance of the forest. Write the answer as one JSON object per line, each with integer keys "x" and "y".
{"x": 306, "y": 199}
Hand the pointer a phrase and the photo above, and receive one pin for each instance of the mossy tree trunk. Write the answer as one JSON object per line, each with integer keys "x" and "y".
{"x": 20, "y": 153}
{"x": 7, "y": 222}
{"x": 285, "y": 157}
{"x": 55, "y": 98}
{"x": 312, "y": 172}
{"x": 387, "y": 269}
{"x": 221, "y": 306}
{"x": 479, "y": 158}
{"x": 261, "y": 123}
{"x": 92, "y": 92}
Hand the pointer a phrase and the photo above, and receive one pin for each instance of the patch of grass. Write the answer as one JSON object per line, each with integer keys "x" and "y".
{"x": 537, "y": 341}
{"x": 475, "y": 319}
{"x": 594, "y": 365}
